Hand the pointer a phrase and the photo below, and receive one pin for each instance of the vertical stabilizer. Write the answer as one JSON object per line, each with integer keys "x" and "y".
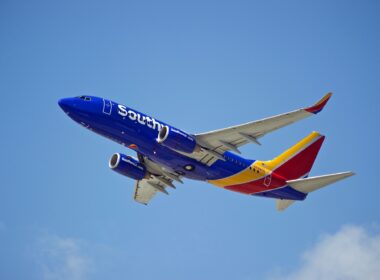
{"x": 297, "y": 161}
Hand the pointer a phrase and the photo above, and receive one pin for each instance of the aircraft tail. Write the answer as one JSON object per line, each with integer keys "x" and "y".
{"x": 308, "y": 185}
{"x": 297, "y": 161}
{"x": 295, "y": 164}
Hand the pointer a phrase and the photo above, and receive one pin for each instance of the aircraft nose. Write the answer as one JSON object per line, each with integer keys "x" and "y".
{"x": 66, "y": 104}
{"x": 63, "y": 103}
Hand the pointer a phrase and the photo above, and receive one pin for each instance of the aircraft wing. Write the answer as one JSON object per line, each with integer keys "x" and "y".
{"x": 232, "y": 138}
{"x": 146, "y": 189}
{"x": 160, "y": 179}
{"x": 144, "y": 192}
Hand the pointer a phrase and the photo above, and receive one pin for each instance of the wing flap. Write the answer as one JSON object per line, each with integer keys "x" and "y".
{"x": 144, "y": 192}
{"x": 146, "y": 189}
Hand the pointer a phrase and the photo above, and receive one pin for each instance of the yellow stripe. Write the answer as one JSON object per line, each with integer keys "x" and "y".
{"x": 272, "y": 164}
{"x": 252, "y": 173}
{"x": 327, "y": 96}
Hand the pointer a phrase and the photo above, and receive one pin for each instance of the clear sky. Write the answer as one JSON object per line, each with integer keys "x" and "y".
{"x": 199, "y": 65}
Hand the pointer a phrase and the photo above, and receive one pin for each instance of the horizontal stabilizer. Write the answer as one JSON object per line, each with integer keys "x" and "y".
{"x": 311, "y": 184}
{"x": 282, "y": 204}
{"x": 308, "y": 185}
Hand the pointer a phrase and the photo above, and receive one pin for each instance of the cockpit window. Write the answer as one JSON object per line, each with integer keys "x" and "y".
{"x": 85, "y": 98}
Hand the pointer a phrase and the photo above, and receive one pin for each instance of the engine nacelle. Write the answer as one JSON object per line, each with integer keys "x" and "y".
{"x": 127, "y": 166}
{"x": 177, "y": 140}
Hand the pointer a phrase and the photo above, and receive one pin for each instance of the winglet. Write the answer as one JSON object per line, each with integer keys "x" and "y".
{"x": 315, "y": 109}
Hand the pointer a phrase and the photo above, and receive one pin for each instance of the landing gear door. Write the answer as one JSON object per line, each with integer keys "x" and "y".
{"x": 107, "y": 107}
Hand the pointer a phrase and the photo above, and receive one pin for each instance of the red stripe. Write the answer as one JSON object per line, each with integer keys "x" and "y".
{"x": 258, "y": 185}
{"x": 318, "y": 107}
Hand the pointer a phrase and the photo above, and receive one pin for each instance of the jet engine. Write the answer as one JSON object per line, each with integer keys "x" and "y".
{"x": 127, "y": 166}
{"x": 176, "y": 139}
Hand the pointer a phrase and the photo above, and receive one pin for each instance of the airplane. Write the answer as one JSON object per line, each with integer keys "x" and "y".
{"x": 166, "y": 154}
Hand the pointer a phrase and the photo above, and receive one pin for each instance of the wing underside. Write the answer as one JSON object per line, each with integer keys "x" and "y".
{"x": 159, "y": 180}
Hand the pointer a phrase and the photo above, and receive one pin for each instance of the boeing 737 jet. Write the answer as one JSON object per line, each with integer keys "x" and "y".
{"x": 166, "y": 154}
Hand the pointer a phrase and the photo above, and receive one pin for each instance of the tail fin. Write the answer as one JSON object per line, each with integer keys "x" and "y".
{"x": 297, "y": 161}
{"x": 308, "y": 185}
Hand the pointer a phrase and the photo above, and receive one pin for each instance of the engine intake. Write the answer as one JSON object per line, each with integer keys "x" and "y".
{"x": 127, "y": 166}
{"x": 176, "y": 139}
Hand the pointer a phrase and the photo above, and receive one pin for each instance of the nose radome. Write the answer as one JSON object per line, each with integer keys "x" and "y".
{"x": 66, "y": 104}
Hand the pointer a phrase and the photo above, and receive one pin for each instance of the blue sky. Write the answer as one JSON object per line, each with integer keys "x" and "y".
{"x": 199, "y": 65}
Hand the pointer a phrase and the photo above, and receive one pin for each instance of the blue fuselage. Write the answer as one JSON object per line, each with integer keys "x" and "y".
{"x": 139, "y": 132}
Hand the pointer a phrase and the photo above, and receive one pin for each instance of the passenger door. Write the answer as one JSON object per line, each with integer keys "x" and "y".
{"x": 107, "y": 107}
